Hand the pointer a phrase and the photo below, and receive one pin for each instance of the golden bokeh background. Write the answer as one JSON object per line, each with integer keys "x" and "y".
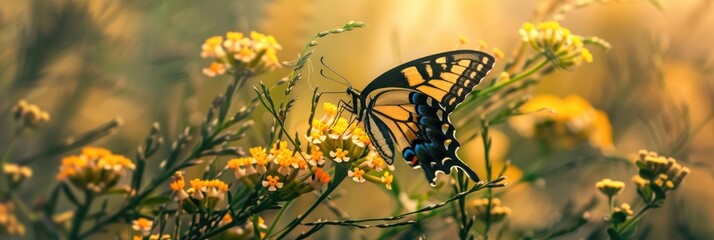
{"x": 88, "y": 62}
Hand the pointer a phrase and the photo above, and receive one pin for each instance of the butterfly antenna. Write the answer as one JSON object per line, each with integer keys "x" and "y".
{"x": 322, "y": 72}
{"x": 346, "y": 82}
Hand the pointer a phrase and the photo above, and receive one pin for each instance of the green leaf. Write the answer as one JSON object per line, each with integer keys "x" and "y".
{"x": 646, "y": 174}
{"x": 613, "y": 234}
{"x": 619, "y": 217}
{"x": 117, "y": 190}
{"x": 658, "y": 191}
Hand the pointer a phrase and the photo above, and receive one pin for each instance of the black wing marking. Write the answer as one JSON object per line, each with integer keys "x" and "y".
{"x": 421, "y": 128}
{"x": 448, "y": 77}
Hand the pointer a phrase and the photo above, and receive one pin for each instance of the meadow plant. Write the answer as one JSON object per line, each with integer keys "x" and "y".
{"x": 251, "y": 194}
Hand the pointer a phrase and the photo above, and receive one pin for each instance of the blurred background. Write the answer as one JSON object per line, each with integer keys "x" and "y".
{"x": 89, "y": 62}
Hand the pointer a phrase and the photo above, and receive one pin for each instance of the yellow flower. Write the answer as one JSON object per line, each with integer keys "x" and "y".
{"x": 16, "y": 174}
{"x": 624, "y": 208}
{"x": 498, "y": 53}
{"x": 242, "y": 166}
{"x": 316, "y": 157}
{"x": 9, "y": 224}
{"x": 177, "y": 185}
{"x": 497, "y": 211}
{"x": 387, "y": 179}
{"x": 320, "y": 178}
{"x": 374, "y": 161}
{"x": 240, "y": 52}
{"x": 216, "y": 68}
{"x": 272, "y": 183}
{"x": 340, "y": 155}
{"x": 356, "y": 174}
{"x": 564, "y": 122}
{"x": 610, "y": 188}
{"x": 29, "y": 115}
{"x": 95, "y": 169}
{"x": 556, "y": 43}
{"x": 212, "y": 47}
{"x": 142, "y": 226}
{"x": 665, "y": 172}
{"x": 261, "y": 159}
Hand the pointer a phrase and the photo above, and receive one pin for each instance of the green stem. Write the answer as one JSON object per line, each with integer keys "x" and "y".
{"x": 81, "y": 214}
{"x": 512, "y": 80}
{"x": 340, "y": 174}
{"x": 277, "y": 218}
{"x": 6, "y": 154}
{"x": 634, "y": 219}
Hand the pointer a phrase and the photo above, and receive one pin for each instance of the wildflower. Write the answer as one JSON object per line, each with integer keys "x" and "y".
{"x": 29, "y": 115}
{"x": 142, "y": 226}
{"x": 9, "y": 224}
{"x": 498, "y": 53}
{"x": 463, "y": 40}
{"x": 375, "y": 161}
{"x": 261, "y": 159}
{"x": 665, "y": 172}
{"x": 610, "y": 188}
{"x": 320, "y": 177}
{"x": 242, "y": 167}
{"x": 356, "y": 174}
{"x": 495, "y": 212}
{"x": 197, "y": 187}
{"x": 565, "y": 123}
{"x": 360, "y": 138}
{"x": 16, "y": 174}
{"x": 177, "y": 186}
{"x": 339, "y": 155}
{"x": 216, "y": 68}
{"x": 256, "y": 53}
{"x": 387, "y": 179}
{"x": 212, "y": 48}
{"x": 272, "y": 183}
{"x": 624, "y": 208}
{"x": 556, "y": 43}
{"x": 83, "y": 170}
{"x": 316, "y": 157}
{"x": 482, "y": 45}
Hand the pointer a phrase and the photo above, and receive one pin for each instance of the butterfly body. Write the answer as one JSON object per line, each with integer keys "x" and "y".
{"x": 409, "y": 106}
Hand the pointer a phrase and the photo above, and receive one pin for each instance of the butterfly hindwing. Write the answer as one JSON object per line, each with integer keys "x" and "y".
{"x": 437, "y": 151}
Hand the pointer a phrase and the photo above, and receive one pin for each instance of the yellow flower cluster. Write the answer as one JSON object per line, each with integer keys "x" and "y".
{"x": 29, "y": 114}
{"x": 142, "y": 226}
{"x": 9, "y": 224}
{"x": 564, "y": 122}
{"x": 497, "y": 211}
{"x": 346, "y": 143}
{"x": 205, "y": 193}
{"x": 663, "y": 172}
{"x": 16, "y": 174}
{"x": 95, "y": 169}
{"x": 556, "y": 43}
{"x": 610, "y": 188}
{"x": 238, "y": 52}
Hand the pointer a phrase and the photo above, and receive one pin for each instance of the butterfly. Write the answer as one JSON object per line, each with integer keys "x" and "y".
{"x": 409, "y": 107}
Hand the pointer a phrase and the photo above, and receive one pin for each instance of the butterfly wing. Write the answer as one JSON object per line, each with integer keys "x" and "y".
{"x": 410, "y": 106}
{"x": 448, "y": 77}
{"x": 421, "y": 125}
